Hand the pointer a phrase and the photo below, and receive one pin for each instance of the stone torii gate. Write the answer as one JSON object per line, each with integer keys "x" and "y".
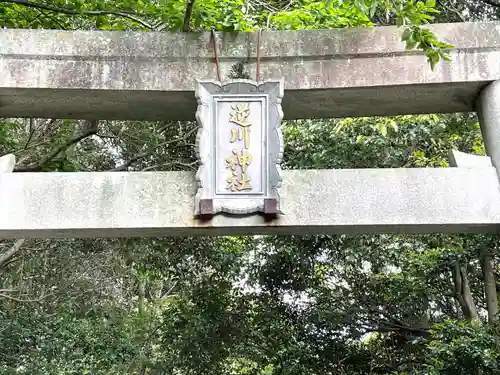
{"x": 332, "y": 73}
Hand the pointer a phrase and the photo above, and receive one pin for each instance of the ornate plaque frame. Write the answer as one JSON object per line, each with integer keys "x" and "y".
{"x": 220, "y": 107}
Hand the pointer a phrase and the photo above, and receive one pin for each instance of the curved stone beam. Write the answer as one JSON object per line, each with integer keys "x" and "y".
{"x": 488, "y": 110}
{"x": 462, "y": 159}
{"x": 7, "y": 163}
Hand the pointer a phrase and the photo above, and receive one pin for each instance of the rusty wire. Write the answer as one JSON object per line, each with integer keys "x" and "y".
{"x": 216, "y": 55}
{"x": 217, "y": 61}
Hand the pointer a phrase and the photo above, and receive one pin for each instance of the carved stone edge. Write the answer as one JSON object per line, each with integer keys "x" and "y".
{"x": 276, "y": 128}
{"x": 464, "y": 160}
{"x": 7, "y": 163}
{"x": 204, "y": 98}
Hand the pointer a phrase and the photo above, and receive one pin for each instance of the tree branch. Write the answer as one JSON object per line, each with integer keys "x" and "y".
{"x": 463, "y": 292}
{"x": 489, "y": 284}
{"x": 188, "y": 165}
{"x": 493, "y": 3}
{"x": 467, "y": 294}
{"x": 79, "y": 12}
{"x": 32, "y": 130}
{"x": 457, "y": 286}
{"x": 127, "y": 164}
{"x": 53, "y": 19}
{"x": 141, "y": 298}
{"x": 2, "y": 295}
{"x": 90, "y": 129}
{"x": 187, "y": 15}
{"x": 4, "y": 258}
{"x": 452, "y": 9}
{"x": 145, "y": 154}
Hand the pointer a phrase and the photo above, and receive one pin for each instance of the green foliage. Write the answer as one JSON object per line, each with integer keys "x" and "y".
{"x": 229, "y": 16}
{"x": 8, "y": 139}
{"x": 463, "y": 348}
{"x": 435, "y": 50}
{"x": 317, "y": 15}
{"x": 72, "y": 346}
{"x": 225, "y": 16}
{"x": 400, "y": 141}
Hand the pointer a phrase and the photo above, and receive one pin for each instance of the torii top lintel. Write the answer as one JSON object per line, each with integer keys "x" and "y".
{"x": 327, "y": 73}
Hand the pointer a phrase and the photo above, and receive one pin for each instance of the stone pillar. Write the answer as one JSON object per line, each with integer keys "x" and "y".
{"x": 488, "y": 110}
{"x": 7, "y": 163}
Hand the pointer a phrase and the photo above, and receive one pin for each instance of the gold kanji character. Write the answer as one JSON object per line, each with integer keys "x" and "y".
{"x": 232, "y": 181}
{"x": 239, "y": 116}
{"x": 232, "y": 161}
{"x": 244, "y": 160}
{"x": 244, "y": 183}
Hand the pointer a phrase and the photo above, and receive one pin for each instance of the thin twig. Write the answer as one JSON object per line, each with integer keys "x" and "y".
{"x": 167, "y": 294}
{"x": 32, "y": 131}
{"x": 2, "y": 295}
{"x": 80, "y": 12}
{"x": 188, "y": 165}
{"x": 451, "y": 9}
{"x": 90, "y": 130}
{"x": 266, "y": 6}
{"x": 53, "y": 19}
{"x": 145, "y": 154}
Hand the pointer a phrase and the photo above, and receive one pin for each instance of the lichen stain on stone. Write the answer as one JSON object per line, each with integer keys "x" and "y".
{"x": 108, "y": 192}
{"x": 63, "y": 35}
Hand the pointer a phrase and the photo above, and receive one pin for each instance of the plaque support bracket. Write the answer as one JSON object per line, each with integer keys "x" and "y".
{"x": 270, "y": 211}
{"x": 206, "y": 209}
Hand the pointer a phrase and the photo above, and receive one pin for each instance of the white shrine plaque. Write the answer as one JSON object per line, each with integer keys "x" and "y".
{"x": 239, "y": 147}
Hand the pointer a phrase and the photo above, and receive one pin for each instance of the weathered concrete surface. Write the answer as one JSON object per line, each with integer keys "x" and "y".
{"x": 462, "y": 159}
{"x": 332, "y": 73}
{"x": 337, "y": 201}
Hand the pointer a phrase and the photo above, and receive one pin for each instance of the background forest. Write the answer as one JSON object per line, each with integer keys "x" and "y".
{"x": 268, "y": 305}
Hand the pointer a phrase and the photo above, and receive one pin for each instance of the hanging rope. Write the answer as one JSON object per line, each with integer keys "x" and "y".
{"x": 216, "y": 55}
{"x": 257, "y": 70}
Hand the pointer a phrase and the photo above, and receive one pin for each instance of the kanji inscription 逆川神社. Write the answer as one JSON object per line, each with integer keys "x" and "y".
{"x": 241, "y": 159}
{"x": 239, "y": 146}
